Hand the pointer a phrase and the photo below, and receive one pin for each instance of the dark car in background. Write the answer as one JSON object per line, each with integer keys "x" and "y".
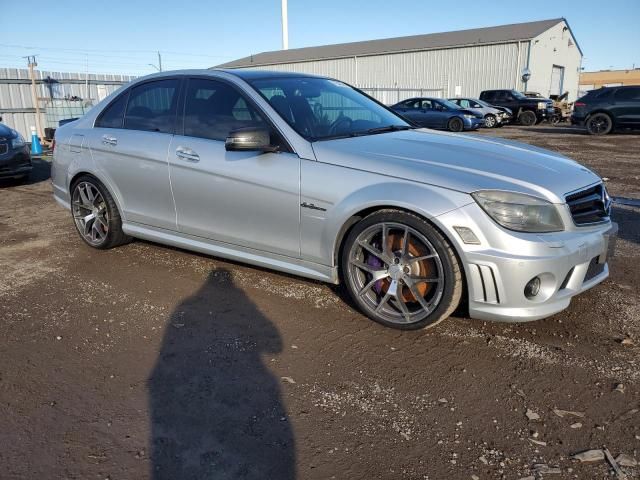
{"x": 528, "y": 111}
{"x": 15, "y": 161}
{"x": 609, "y": 108}
{"x": 438, "y": 113}
{"x": 494, "y": 117}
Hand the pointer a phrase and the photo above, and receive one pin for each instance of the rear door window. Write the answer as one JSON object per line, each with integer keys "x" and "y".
{"x": 628, "y": 94}
{"x": 152, "y": 106}
{"x": 113, "y": 115}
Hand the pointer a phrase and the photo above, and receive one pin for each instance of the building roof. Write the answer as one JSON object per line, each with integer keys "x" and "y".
{"x": 430, "y": 41}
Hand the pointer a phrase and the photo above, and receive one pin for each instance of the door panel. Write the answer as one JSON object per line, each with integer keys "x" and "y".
{"x": 136, "y": 163}
{"x": 250, "y": 199}
{"x": 626, "y": 106}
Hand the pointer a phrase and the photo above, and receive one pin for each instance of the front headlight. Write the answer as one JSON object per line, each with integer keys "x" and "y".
{"x": 468, "y": 115}
{"x": 519, "y": 212}
{"x": 17, "y": 142}
{"x": 542, "y": 106}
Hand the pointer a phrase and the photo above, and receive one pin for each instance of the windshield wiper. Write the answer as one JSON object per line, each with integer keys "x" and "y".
{"x": 371, "y": 131}
{"x": 388, "y": 128}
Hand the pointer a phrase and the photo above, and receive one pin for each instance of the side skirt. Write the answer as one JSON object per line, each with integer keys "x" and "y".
{"x": 229, "y": 251}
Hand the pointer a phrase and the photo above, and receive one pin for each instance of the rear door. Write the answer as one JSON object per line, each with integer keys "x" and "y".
{"x": 250, "y": 199}
{"x": 626, "y": 107}
{"x": 129, "y": 145}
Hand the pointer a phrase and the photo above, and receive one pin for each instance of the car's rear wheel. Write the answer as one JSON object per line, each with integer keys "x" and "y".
{"x": 490, "y": 121}
{"x": 95, "y": 214}
{"x": 400, "y": 271}
{"x": 599, "y": 124}
{"x": 455, "y": 124}
{"x": 527, "y": 118}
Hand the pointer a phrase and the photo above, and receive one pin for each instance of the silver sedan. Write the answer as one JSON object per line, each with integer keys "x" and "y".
{"x": 493, "y": 116}
{"x": 309, "y": 176}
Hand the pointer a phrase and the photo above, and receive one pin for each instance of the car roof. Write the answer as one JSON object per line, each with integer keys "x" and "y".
{"x": 244, "y": 74}
{"x": 254, "y": 74}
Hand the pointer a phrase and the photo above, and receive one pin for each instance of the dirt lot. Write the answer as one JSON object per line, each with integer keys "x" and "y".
{"x": 151, "y": 362}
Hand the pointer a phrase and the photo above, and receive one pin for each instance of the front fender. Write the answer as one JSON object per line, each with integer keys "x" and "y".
{"x": 346, "y": 193}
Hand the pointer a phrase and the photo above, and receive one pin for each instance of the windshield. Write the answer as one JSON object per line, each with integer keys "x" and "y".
{"x": 518, "y": 95}
{"x": 319, "y": 108}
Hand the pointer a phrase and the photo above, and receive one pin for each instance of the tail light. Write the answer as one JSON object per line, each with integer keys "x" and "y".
{"x": 579, "y": 104}
{"x": 53, "y": 145}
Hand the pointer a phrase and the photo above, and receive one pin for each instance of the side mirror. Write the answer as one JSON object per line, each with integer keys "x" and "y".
{"x": 250, "y": 139}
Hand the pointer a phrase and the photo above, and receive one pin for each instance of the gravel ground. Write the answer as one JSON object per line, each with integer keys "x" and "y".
{"x": 152, "y": 362}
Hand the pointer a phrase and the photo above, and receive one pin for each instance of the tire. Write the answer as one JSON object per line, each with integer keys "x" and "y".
{"x": 408, "y": 285}
{"x": 599, "y": 124}
{"x": 89, "y": 197}
{"x": 455, "y": 124}
{"x": 527, "y": 118}
{"x": 490, "y": 121}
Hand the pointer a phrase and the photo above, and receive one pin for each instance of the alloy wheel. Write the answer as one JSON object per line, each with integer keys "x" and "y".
{"x": 90, "y": 213}
{"x": 396, "y": 272}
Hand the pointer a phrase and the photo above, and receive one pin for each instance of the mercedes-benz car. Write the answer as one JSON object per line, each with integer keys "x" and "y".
{"x": 310, "y": 176}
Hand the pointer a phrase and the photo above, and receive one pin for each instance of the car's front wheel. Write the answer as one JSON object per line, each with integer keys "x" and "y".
{"x": 490, "y": 121}
{"x": 95, "y": 214}
{"x": 599, "y": 124}
{"x": 455, "y": 124}
{"x": 527, "y": 118}
{"x": 400, "y": 271}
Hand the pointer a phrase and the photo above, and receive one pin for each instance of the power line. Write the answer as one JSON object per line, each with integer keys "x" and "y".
{"x": 110, "y": 52}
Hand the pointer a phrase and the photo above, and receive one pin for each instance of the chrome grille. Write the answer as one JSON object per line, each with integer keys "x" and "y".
{"x": 590, "y": 205}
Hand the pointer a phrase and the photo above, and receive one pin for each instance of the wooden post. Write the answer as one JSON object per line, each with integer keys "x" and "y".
{"x": 34, "y": 95}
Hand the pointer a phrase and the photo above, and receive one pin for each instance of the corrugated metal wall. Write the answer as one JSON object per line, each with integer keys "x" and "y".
{"x": 473, "y": 69}
{"x": 16, "y": 104}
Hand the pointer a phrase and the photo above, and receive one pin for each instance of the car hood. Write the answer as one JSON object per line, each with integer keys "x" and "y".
{"x": 5, "y": 131}
{"x": 461, "y": 162}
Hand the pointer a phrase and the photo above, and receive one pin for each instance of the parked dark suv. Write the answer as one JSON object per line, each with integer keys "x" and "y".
{"x": 528, "y": 111}
{"x": 608, "y": 108}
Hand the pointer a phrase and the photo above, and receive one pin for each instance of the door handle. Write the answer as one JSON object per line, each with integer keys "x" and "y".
{"x": 187, "y": 154}
{"x": 109, "y": 140}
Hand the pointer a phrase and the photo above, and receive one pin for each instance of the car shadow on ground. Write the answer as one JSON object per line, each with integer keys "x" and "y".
{"x": 40, "y": 173}
{"x": 216, "y": 410}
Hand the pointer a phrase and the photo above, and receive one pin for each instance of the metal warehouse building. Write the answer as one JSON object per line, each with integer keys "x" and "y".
{"x": 461, "y": 63}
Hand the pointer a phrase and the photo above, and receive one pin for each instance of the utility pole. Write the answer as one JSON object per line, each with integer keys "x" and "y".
{"x": 159, "y": 62}
{"x": 285, "y": 26}
{"x": 31, "y": 62}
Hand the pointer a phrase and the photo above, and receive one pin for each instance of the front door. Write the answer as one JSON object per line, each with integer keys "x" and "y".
{"x": 250, "y": 199}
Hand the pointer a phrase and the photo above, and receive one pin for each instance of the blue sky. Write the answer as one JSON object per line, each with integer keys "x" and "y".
{"x": 121, "y": 37}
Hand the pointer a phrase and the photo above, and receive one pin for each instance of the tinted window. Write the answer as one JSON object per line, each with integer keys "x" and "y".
{"x": 114, "y": 114}
{"x": 213, "y": 108}
{"x": 152, "y": 106}
{"x": 489, "y": 95}
{"x": 631, "y": 93}
{"x": 319, "y": 108}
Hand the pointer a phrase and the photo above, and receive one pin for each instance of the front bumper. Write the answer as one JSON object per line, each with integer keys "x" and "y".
{"x": 473, "y": 123}
{"x": 15, "y": 163}
{"x": 497, "y": 270}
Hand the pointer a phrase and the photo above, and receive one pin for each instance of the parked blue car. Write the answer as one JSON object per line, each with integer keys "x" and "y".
{"x": 438, "y": 113}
